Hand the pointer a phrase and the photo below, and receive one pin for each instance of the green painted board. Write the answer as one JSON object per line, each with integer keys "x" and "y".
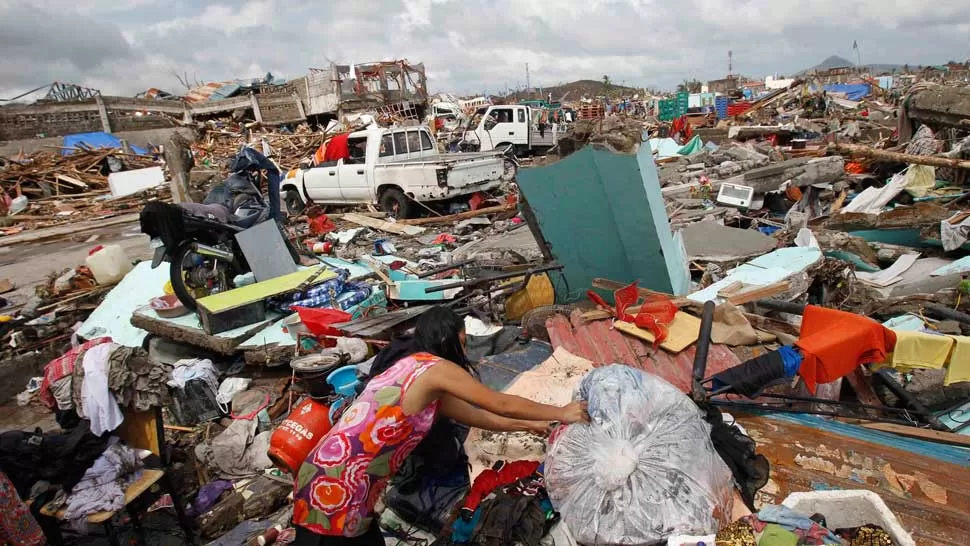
{"x": 604, "y": 216}
{"x": 231, "y": 299}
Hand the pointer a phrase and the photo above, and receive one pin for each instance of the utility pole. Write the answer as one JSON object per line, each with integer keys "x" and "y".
{"x": 528, "y": 86}
{"x": 730, "y": 63}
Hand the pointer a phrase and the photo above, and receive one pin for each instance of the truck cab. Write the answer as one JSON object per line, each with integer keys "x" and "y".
{"x": 523, "y": 128}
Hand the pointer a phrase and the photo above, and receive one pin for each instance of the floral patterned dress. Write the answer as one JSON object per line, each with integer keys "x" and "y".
{"x": 341, "y": 479}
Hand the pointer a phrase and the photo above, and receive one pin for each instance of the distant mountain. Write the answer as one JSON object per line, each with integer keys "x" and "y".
{"x": 838, "y": 62}
{"x": 583, "y": 88}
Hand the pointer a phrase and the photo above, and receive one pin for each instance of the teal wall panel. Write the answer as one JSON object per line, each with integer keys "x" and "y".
{"x": 604, "y": 216}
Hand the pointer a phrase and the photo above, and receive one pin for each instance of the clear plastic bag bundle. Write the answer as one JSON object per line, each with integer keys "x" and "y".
{"x": 643, "y": 469}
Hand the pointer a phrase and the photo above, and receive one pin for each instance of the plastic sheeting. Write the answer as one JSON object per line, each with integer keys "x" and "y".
{"x": 644, "y": 467}
{"x": 99, "y": 139}
{"x": 852, "y": 91}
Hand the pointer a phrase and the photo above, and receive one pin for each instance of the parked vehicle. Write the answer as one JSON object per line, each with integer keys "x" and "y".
{"x": 198, "y": 240}
{"x": 393, "y": 168}
{"x": 512, "y": 125}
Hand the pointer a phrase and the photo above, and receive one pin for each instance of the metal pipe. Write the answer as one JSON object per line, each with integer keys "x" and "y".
{"x": 782, "y": 306}
{"x": 700, "y": 354}
{"x": 946, "y": 312}
{"x": 212, "y": 252}
{"x": 486, "y": 280}
{"x": 906, "y": 396}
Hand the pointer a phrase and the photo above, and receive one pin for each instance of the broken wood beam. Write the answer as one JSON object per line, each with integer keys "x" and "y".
{"x": 460, "y": 216}
{"x": 606, "y": 284}
{"x": 857, "y": 150}
{"x": 759, "y": 293}
{"x": 937, "y": 436}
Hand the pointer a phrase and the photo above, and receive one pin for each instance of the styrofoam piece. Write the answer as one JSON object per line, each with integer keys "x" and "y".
{"x": 850, "y": 508}
{"x": 129, "y": 182}
{"x": 690, "y": 540}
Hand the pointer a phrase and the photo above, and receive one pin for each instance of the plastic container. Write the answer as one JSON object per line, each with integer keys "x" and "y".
{"x": 18, "y": 204}
{"x": 300, "y": 432}
{"x": 344, "y": 380}
{"x": 108, "y": 263}
{"x": 850, "y": 508}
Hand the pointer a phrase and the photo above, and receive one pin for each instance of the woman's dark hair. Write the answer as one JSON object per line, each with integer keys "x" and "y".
{"x": 436, "y": 332}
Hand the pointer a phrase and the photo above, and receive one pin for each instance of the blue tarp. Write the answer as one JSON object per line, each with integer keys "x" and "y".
{"x": 96, "y": 140}
{"x": 853, "y": 91}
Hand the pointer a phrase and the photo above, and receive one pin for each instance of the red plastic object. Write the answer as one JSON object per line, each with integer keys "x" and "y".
{"x": 299, "y": 433}
{"x": 168, "y": 306}
{"x": 95, "y": 249}
{"x": 476, "y": 201}
{"x": 656, "y": 313}
{"x": 321, "y": 225}
{"x": 318, "y": 321}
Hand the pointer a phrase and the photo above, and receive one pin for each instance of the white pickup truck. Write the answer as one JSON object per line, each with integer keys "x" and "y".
{"x": 498, "y": 127}
{"x": 392, "y": 168}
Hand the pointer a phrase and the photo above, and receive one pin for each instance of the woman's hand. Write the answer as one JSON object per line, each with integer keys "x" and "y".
{"x": 574, "y": 412}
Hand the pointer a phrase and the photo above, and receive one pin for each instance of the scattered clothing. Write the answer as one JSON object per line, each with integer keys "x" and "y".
{"x": 238, "y": 451}
{"x": 921, "y": 350}
{"x": 493, "y": 478}
{"x": 867, "y": 535}
{"x": 738, "y": 533}
{"x": 61, "y": 368}
{"x": 208, "y": 496}
{"x": 835, "y": 342}
{"x": 959, "y": 368}
{"x": 342, "y": 478}
{"x": 137, "y": 380}
{"x": 954, "y": 235}
{"x": 98, "y": 404}
{"x": 750, "y": 378}
{"x": 776, "y": 535}
{"x": 195, "y": 368}
{"x": 808, "y": 531}
{"x": 18, "y": 526}
{"x": 102, "y": 488}
{"x": 59, "y": 458}
{"x": 737, "y": 450}
{"x": 373, "y": 537}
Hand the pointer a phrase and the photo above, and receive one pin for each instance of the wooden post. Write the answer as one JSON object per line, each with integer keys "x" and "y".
{"x": 872, "y": 153}
{"x": 178, "y": 157}
{"x": 256, "y": 113}
{"x": 299, "y": 105}
{"x": 103, "y": 112}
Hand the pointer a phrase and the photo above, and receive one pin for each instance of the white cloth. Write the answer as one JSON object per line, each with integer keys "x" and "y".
{"x": 954, "y": 235}
{"x": 194, "y": 368}
{"x": 100, "y": 406}
{"x": 102, "y": 488}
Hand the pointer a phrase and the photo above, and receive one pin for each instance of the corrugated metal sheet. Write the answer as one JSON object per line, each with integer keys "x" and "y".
{"x": 203, "y": 92}
{"x": 598, "y": 342}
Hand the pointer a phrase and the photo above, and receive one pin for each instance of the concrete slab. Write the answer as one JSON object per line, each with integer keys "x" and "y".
{"x": 918, "y": 279}
{"x": 710, "y": 241}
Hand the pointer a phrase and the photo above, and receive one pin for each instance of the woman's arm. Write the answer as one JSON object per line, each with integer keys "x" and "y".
{"x": 449, "y": 378}
{"x": 467, "y": 414}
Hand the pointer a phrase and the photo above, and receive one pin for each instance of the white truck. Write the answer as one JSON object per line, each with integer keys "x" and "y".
{"x": 392, "y": 168}
{"x": 501, "y": 126}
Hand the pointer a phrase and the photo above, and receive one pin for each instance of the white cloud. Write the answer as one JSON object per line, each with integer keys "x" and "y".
{"x": 124, "y": 47}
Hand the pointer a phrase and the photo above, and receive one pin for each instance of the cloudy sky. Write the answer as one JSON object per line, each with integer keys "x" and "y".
{"x": 125, "y": 46}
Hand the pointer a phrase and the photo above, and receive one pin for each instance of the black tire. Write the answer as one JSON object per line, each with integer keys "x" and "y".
{"x": 178, "y": 281}
{"x": 395, "y": 203}
{"x": 509, "y": 170}
{"x": 294, "y": 203}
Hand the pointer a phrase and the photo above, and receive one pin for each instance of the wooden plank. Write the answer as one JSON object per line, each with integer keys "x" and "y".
{"x": 71, "y": 181}
{"x": 606, "y": 284}
{"x": 760, "y": 293}
{"x": 149, "y": 477}
{"x": 64, "y": 231}
{"x": 730, "y": 289}
{"x": 237, "y": 297}
{"x": 938, "y": 436}
{"x": 381, "y": 225}
{"x": 460, "y": 216}
{"x": 146, "y": 319}
{"x": 682, "y": 332}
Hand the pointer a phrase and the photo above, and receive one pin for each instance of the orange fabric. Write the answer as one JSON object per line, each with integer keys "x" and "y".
{"x": 836, "y": 342}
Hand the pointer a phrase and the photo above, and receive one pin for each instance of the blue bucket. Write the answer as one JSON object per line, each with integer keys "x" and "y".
{"x": 344, "y": 380}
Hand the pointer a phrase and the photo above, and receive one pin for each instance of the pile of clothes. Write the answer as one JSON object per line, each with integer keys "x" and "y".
{"x": 95, "y": 379}
{"x": 777, "y": 525}
{"x": 507, "y": 504}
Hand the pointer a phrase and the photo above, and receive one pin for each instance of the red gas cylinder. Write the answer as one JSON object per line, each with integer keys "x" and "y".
{"x": 298, "y": 434}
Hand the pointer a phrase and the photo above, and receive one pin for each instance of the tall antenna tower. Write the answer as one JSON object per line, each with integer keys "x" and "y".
{"x": 730, "y": 63}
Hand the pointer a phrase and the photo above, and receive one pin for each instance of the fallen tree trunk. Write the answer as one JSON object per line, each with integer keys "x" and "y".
{"x": 460, "y": 216}
{"x": 864, "y": 151}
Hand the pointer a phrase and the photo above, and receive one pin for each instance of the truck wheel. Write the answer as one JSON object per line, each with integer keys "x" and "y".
{"x": 294, "y": 203}
{"x": 509, "y": 170}
{"x": 395, "y": 203}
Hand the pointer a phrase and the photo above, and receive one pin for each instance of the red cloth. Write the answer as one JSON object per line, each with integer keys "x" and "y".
{"x": 337, "y": 148}
{"x": 681, "y": 125}
{"x": 319, "y": 321}
{"x": 836, "y": 342}
{"x": 61, "y": 367}
{"x": 321, "y": 225}
{"x": 490, "y": 479}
